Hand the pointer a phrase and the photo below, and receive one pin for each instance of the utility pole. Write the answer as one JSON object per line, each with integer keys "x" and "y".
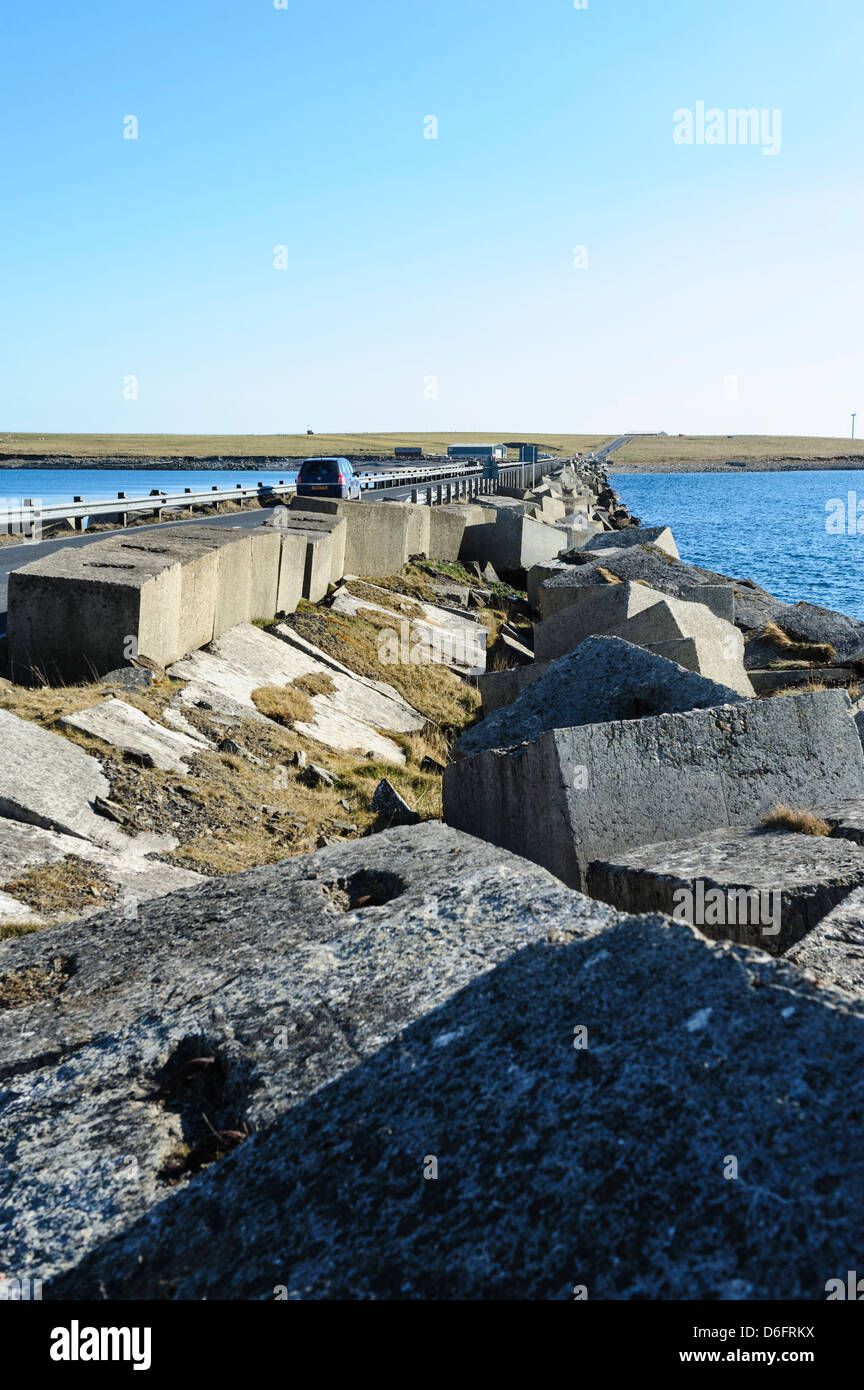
{"x": 853, "y": 423}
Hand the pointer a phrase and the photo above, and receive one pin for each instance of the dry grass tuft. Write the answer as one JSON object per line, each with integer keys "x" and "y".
{"x": 316, "y": 683}
{"x": 814, "y": 652}
{"x": 782, "y": 817}
{"x": 284, "y": 703}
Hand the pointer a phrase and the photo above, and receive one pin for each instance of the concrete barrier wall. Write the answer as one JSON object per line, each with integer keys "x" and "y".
{"x": 85, "y": 610}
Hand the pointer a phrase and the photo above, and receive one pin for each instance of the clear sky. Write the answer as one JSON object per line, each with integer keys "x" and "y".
{"x": 430, "y": 284}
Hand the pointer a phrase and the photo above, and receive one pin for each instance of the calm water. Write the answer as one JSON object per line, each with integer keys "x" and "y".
{"x": 769, "y": 527}
{"x": 62, "y": 484}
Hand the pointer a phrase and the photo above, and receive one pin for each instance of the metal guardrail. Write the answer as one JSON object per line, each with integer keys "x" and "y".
{"x": 28, "y": 517}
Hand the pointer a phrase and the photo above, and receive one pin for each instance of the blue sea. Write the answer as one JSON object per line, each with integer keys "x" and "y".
{"x": 768, "y": 527}
{"x": 62, "y": 484}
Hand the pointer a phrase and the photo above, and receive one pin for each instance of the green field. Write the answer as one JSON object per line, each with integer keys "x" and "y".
{"x": 643, "y": 455}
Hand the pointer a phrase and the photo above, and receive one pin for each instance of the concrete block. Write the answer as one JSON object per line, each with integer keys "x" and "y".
{"x": 720, "y": 598}
{"x": 381, "y": 536}
{"x": 604, "y": 679}
{"x": 833, "y": 951}
{"x": 576, "y": 795}
{"x": 82, "y": 611}
{"x": 500, "y": 688}
{"x": 514, "y": 542}
{"x": 266, "y": 554}
{"x": 292, "y": 569}
{"x": 318, "y": 565}
{"x": 760, "y": 889}
{"x": 659, "y": 536}
{"x": 446, "y": 532}
{"x": 314, "y": 522}
{"x": 691, "y": 635}
{"x": 593, "y": 609}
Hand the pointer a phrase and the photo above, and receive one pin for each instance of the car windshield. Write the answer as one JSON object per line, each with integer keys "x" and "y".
{"x": 320, "y": 471}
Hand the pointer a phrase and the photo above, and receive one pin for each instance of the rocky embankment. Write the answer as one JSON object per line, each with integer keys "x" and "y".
{"x": 598, "y": 1034}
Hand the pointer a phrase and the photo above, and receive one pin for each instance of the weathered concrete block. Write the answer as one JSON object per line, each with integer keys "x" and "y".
{"x": 266, "y": 554}
{"x": 381, "y": 536}
{"x": 500, "y": 688}
{"x": 446, "y": 532}
{"x": 692, "y": 635}
{"x": 603, "y": 680}
{"x": 659, "y": 536}
{"x": 292, "y": 570}
{"x": 759, "y": 889}
{"x": 692, "y": 1050}
{"x": 49, "y": 781}
{"x": 576, "y": 795}
{"x": 318, "y": 565}
{"x": 234, "y": 568}
{"x": 833, "y": 951}
{"x": 81, "y": 611}
{"x": 131, "y": 731}
{"x": 315, "y": 522}
{"x": 316, "y": 949}
{"x": 594, "y": 609}
{"x": 720, "y": 598}
{"x": 515, "y": 542}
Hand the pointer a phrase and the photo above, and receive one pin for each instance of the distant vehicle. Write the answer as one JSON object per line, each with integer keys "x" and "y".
{"x": 408, "y": 452}
{"x": 328, "y": 477}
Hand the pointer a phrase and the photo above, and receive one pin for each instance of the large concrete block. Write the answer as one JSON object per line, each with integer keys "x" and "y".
{"x": 500, "y": 688}
{"x": 315, "y": 522}
{"x": 514, "y": 542}
{"x": 318, "y": 566}
{"x": 234, "y": 570}
{"x": 760, "y": 889}
{"x": 596, "y": 608}
{"x": 82, "y": 611}
{"x": 659, "y": 536}
{"x": 381, "y": 536}
{"x": 603, "y": 680}
{"x": 446, "y": 532}
{"x": 292, "y": 569}
{"x": 266, "y": 548}
{"x": 693, "y": 636}
{"x": 576, "y": 795}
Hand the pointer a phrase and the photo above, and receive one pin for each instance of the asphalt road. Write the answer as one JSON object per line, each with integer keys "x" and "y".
{"x": 12, "y": 557}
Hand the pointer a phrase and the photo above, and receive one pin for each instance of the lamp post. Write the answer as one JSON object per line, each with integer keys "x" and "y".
{"x": 854, "y": 413}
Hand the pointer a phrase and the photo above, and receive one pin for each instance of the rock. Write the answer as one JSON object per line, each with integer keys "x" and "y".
{"x": 833, "y": 952}
{"x": 692, "y": 636}
{"x": 111, "y": 810}
{"x": 298, "y": 758}
{"x": 131, "y": 677}
{"x": 130, "y": 731}
{"x": 286, "y": 977}
{"x": 589, "y": 611}
{"x": 391, "y": 807}
{"x": 605, "y": 679}
{"x": 510, "y": 650}
{"x": 659, "y": 536}
{"x": 228, "y": 745}
{"x": 226, "y": 673}
{"x": 793, "y": 882}
{"x": 315, "y": 776}
{"x": 767, "y": 682}
{"x": 576, "y": 795}
{"x": 49, "y": 781}
{"x": 482, "y": 1154}
{"x": 24, "y": 847}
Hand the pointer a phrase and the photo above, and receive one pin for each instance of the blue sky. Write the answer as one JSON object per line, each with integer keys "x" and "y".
{"x": 429, "y": 284}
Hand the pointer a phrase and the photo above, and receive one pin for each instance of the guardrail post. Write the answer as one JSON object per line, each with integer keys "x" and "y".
{"x": 124, "y": 516}
{"x": 216, "y": 499}
{"x": 413, "y": 494}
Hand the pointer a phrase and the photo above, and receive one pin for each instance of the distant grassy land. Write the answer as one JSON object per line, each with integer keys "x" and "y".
{"x": 718, "y": 453}
{"x": 255, "y": 446}
{"x": 646, "y": 454}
